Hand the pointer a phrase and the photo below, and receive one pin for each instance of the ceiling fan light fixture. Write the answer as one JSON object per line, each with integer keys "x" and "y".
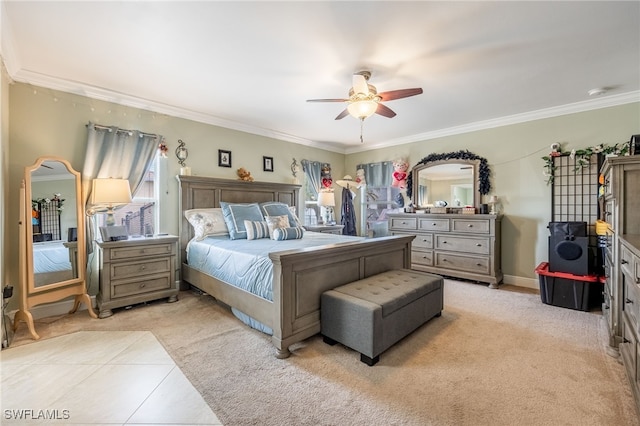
{"x": 362, "y": 109}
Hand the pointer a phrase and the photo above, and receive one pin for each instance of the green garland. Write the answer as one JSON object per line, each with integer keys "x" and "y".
{"x": 581, "y": 156}
{"x": 46, "y": 203}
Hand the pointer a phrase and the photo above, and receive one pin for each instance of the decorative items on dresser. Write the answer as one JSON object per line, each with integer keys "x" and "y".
{"x": 135, "y": 271}
{"x": 621, "y": 212}
{"x": 457, "y": 245}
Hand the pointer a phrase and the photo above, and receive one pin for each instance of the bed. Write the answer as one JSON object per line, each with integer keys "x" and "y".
{"x": 51, "y": 263}
{"x": 299, "y": 276}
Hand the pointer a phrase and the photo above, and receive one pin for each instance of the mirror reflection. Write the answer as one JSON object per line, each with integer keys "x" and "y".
{"x": 54, "y": 224}
{"x": 446, "y": 184}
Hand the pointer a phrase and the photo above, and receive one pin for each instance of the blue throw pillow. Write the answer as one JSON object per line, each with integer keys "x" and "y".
{"x": 294, "y": 233}
{"x": 236, "y": 214}
{"x": 275, "y": 208}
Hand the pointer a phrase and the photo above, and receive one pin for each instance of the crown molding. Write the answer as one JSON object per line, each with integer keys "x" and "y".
{"x": 577, "y": 107}
{"x": 106, "y": 95}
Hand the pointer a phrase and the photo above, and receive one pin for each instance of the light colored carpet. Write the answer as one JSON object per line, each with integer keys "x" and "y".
{"x": 495, "y": 357}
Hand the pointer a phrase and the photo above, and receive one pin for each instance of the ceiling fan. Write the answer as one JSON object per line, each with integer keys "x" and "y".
{"x": 364, "y": 99}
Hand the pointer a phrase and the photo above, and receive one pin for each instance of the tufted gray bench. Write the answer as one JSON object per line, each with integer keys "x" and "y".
{"x": 371, "y": 314}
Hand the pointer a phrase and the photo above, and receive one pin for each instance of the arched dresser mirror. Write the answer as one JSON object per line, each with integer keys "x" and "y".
{"x": 52, "y": 245}
{"x": 453, "y": 181}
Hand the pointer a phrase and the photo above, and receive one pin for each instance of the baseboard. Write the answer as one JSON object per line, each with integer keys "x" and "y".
{"x": 54, "y": 309}
{"x": 521, "y": 281}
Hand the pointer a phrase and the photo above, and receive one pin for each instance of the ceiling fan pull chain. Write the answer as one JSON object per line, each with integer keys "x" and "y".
{"x": 361, "y": 126}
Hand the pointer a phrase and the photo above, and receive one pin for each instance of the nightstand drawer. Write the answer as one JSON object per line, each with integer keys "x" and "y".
{"x": 127, "y": 288}
{"x": 140, "y": 251}
{"x": 140, "y": 267}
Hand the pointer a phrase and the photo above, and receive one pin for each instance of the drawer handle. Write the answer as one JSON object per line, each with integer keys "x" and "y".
{"x": 624, "y": 262}
{"x": 444, "y": 242}
{"x": 143, "y": 285}
{"x": 424, "y": 257}
{"x": 624, "y": 340}
{"x": 404, "y": 223}
{"x": 478, "y": 245}
{"x": 627, "y": 300}
{"x": 478, "y": 264}
{"x": 607, "y": 213}
{"x": 470, "y": 225}
{"x": 143, "y": 267}
{"x": 424, "y": 240}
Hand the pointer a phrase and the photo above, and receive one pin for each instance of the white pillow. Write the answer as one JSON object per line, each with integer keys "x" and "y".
{"x": 256, "y": 229}
{"x": 274, "y": 222}
{"x": 206, "y": 222}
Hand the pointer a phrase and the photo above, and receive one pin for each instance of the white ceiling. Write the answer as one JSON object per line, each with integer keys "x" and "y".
{"x": 252, "y": 65}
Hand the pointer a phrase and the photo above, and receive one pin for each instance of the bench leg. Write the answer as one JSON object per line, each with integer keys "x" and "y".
{"x": 369, "y": 361}
{"x": 328, "y": 340}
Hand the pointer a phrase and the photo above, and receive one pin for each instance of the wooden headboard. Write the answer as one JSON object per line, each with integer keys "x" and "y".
{"x": 198, "y": 192}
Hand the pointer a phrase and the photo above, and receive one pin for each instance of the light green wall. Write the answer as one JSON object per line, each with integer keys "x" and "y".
{"x": 4, "y": 179}
{"x": 514, "y": 154}
{"x": 46, "y": 122}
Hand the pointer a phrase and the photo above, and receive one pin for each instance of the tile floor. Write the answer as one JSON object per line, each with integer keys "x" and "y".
{"x": 98, "y": 378}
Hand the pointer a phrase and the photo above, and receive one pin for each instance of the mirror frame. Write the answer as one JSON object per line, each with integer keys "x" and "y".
{"x": 81, "y": 252}
{"x": 481, "y": 172}
{"x": 474, "y": 163}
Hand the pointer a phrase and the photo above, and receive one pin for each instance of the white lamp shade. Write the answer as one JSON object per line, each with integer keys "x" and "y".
{"x": 493, "y": 199}
{"x": 362, "y": 109}
{"x": 110, "y": 192}
{"x": 326, "y": 199}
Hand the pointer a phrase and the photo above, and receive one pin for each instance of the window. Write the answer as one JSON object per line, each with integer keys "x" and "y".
{"x": 311, "y": 208}
{"x": 140, "y": 216}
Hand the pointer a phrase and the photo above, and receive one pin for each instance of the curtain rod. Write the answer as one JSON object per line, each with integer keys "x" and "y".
{"x": 130, "y": 132}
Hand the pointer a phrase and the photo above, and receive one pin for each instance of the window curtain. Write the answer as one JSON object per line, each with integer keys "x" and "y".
{"x": 313, "y": 170}
{"x": 378, "y": 174}
{"x": 116, "y": 153}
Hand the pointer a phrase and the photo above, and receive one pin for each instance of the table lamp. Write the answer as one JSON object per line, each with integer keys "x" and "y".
{"x": 327, "y": 200}
{"x": 109, "y": 193}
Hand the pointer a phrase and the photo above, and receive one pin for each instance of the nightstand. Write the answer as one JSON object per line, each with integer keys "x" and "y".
{"x": 327, "y": 229}
{"x": 136, "y": 270}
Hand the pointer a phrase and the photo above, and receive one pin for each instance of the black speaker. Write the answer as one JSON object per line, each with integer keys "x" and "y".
{"x": 569, "y": 248}
{"x": 72, "y": 234}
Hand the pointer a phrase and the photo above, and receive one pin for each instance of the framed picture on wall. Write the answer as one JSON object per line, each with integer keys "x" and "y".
{"x": 267, "y": 164}
{"x": 224, "y": 158}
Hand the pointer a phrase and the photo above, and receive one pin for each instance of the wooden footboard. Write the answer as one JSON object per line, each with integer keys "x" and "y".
{"x": 300, "y": 276}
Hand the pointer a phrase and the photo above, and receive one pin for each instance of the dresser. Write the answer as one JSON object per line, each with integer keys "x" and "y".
{"x": 456, "y": 245}
{"x": 621, "y": 212}
{"x": 135, "y": 271}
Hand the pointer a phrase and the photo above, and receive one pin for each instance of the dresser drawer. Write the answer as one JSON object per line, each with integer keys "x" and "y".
{"x": 140, "y": 251}
{"x": 463, "y": 244}
{"x": 430, "y": 224}
{"x": 126, "y": 288}
{"x": 462, "y": 263}
{"x": 628, "y": 346}
{"x": 609, "y": 213}
{"x": 422, "y": 241}
{"x": 627, "y": 261}
{"x": 630, "y": 302}
{"x": 481, "y": 226}
{"x": 140, "y": 267}
{"x": 403, "y": 223}
{"x": 424, "y": 258}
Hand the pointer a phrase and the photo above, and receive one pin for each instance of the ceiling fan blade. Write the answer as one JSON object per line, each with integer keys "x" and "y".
{"x": 399, "y": 94}
{"x": 360, "y": 84}
{"x": 327, "y": 100}
{"x": 385, "y": 111}
{"x": 342, "y": 115}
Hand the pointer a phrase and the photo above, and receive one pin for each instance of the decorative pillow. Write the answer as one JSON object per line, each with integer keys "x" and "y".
{"x": 293, "y": 233}
{"x": 236, "y": 214}
{"x": 275, "y": 208}
{"x": 206, "y": 222}
{"x": 256, "y": 229}
{"x": 275, "y": 222}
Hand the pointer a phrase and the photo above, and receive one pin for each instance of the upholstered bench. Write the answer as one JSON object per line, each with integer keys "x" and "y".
{"x": 371, "y": 314}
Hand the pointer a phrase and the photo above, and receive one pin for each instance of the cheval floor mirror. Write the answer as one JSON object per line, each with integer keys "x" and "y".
{"x": 52, "y": 264}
